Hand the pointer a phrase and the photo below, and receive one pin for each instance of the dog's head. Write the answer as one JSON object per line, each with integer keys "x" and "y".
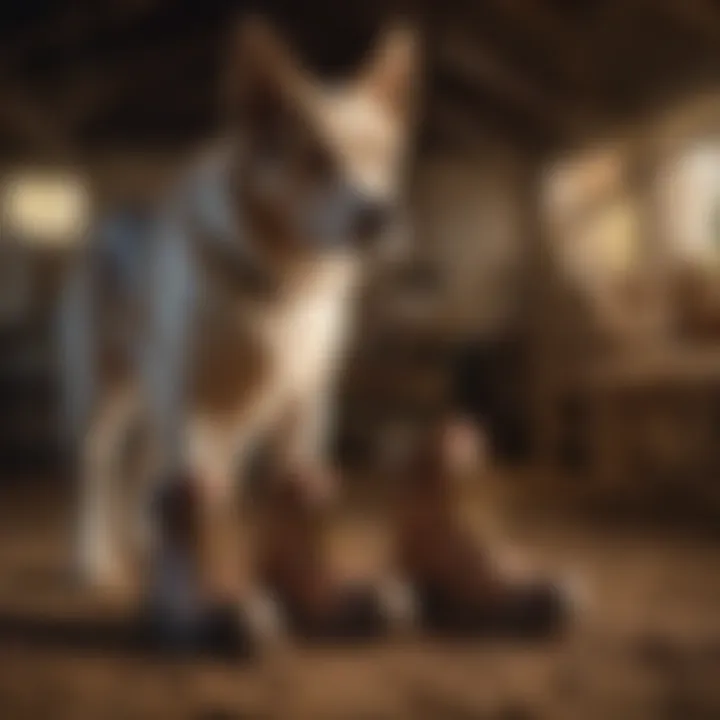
{"x": 322, "y": 165}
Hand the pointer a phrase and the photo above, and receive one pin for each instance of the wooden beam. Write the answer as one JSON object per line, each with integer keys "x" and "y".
{"x": 561, "y": 42}
{"x": 487, "y": 109}
{"x": 47, "y": 30}
{"x": 78, "y": 21}
{"x": 479, "y": 65}
{"x": 476, "y": 63}
{"x": 648, "y": 48}
{"x": 85, "y": 98}
{"x": 469, "y": 131}
{"x": 87, "y": 92}
{"x": 700, "y": 16}
{"x": 24, "y": 116}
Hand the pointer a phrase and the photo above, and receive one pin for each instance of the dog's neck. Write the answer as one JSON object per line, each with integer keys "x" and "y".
{"x": 242, "y": 244}
{"x": 223, "y": 241}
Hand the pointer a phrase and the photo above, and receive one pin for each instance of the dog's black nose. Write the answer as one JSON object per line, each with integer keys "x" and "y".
{"x": 370, "y": 218}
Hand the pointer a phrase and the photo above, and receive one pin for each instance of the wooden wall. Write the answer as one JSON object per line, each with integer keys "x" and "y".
{"x": 469, "y": 215}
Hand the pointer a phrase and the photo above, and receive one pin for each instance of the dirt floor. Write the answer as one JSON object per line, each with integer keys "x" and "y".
{"x": 647, "y": 645}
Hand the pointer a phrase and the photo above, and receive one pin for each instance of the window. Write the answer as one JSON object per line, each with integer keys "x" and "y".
{"x": 37, "y": 210}
{"x": 49, "y": 209}
{"x": 692, "y": 202}
{"x": 593, "y": 216}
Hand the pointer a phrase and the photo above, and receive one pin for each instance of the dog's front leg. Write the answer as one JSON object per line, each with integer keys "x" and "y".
{"x": 304, "y": 438}
{"x": 203, "y": 572}
{"x": 196, "y": 507}
{"x": 217, "y": 452}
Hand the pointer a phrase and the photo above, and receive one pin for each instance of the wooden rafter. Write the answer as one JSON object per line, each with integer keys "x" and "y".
{"x": 649, "y": 50}
{"x": 700, "y": 16}
{"x": 480, "y": 66}
{"x": 489, "y": 110}
{"x": 89, "y": 91}
{"x": 26, "y": 117}
{"x": 76, "y": 22}
{"x": 468, "y": 131}
{"x": 563, "y": 46}
{"x": 593, "y": 66}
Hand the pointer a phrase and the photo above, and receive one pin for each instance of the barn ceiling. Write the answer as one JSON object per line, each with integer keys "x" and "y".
{"x": 81, "y": 74}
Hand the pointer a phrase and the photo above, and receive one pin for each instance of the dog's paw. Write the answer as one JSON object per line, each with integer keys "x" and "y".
{"x": 102, "y": 573}
{"x": 214, "y": 630}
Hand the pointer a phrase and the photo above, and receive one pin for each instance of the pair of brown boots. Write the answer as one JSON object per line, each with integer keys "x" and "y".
{"x": 445, "y": 581}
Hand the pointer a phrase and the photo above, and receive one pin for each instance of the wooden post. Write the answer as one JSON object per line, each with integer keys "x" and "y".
{"x": 545, "y": 420}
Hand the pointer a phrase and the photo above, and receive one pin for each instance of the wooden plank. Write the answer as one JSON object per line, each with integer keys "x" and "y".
{"x": 26, "y": 117}
{"x": 702, "y": 17}
{"x": 483, "y": 68}
{"x": 562, "y": 43}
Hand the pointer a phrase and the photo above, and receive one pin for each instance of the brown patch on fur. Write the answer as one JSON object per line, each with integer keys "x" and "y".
{"x": 229, "y": 365}
{"x": 271, "y": 229}
{"x": 236, "y": 276}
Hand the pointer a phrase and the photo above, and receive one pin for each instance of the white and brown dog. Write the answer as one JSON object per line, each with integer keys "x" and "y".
{"x": 245, "y": 302}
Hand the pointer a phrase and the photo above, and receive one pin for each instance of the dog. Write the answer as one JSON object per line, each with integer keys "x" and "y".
{"x": 250, "y": 272}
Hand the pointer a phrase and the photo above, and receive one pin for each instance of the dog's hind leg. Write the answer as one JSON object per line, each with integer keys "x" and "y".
{"x": 101, "y": 493}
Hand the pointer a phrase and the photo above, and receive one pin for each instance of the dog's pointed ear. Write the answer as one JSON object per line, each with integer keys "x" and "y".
{"x": 261, "y": 70}
{"x": 392, "y": 72}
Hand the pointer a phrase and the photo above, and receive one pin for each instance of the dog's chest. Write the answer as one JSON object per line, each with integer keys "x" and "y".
{"x": 267, "y": 353}
{"x": 304, "y": 333}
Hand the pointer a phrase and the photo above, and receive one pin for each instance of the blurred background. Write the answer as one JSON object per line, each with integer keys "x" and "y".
{"x": 563, "y": 288}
